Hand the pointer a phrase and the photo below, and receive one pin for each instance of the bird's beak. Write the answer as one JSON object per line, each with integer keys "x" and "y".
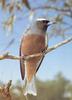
{"x": 51, "y": 22}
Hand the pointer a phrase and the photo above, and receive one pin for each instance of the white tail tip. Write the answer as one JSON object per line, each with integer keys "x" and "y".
{"x": 30, "y": 88}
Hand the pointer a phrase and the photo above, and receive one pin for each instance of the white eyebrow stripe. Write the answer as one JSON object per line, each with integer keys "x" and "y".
{"x": 40, "y": 19}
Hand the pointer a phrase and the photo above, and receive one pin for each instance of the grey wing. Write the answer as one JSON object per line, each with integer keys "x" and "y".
{"x": 40, "y": 63}
{"x": 46, "y": 45}
{"x": 22, "y": 65}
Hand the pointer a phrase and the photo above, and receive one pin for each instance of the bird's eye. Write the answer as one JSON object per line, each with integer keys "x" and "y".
{"x": 45, "y": 21}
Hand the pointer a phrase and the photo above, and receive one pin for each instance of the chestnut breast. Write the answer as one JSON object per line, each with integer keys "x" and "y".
{"x": 32, "y": 44}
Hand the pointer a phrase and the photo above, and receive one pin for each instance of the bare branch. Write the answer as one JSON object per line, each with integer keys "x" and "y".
{"x": 58, "y": 45}
{"x": 51, "y": 7}
{"x": 64, "y": 11}
{"x": 8, "y": 56}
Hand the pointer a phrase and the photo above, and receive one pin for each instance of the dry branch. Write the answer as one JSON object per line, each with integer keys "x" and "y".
{"x": 8, "y": 56}
{"x": 51, "y": 7}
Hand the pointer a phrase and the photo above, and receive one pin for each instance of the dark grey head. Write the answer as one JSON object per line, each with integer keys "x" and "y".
{"x": 40, "y": 25}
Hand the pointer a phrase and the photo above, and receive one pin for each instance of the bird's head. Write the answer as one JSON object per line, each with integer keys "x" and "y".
{"x": 42, "y": 24}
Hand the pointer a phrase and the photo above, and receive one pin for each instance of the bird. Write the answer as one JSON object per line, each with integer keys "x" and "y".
{"x": 34, "y": 40}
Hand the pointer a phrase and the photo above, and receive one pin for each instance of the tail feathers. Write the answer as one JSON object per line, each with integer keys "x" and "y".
{"x": 30, "y": 88}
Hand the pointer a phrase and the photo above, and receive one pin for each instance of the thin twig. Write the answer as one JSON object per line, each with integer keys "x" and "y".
{"x": 8, "y": 56}
{"x": 58, "y": 45}
{"x": 51, "y": 7}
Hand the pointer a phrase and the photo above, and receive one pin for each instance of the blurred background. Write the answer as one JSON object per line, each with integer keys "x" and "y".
{"x": 54, "y": 78}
